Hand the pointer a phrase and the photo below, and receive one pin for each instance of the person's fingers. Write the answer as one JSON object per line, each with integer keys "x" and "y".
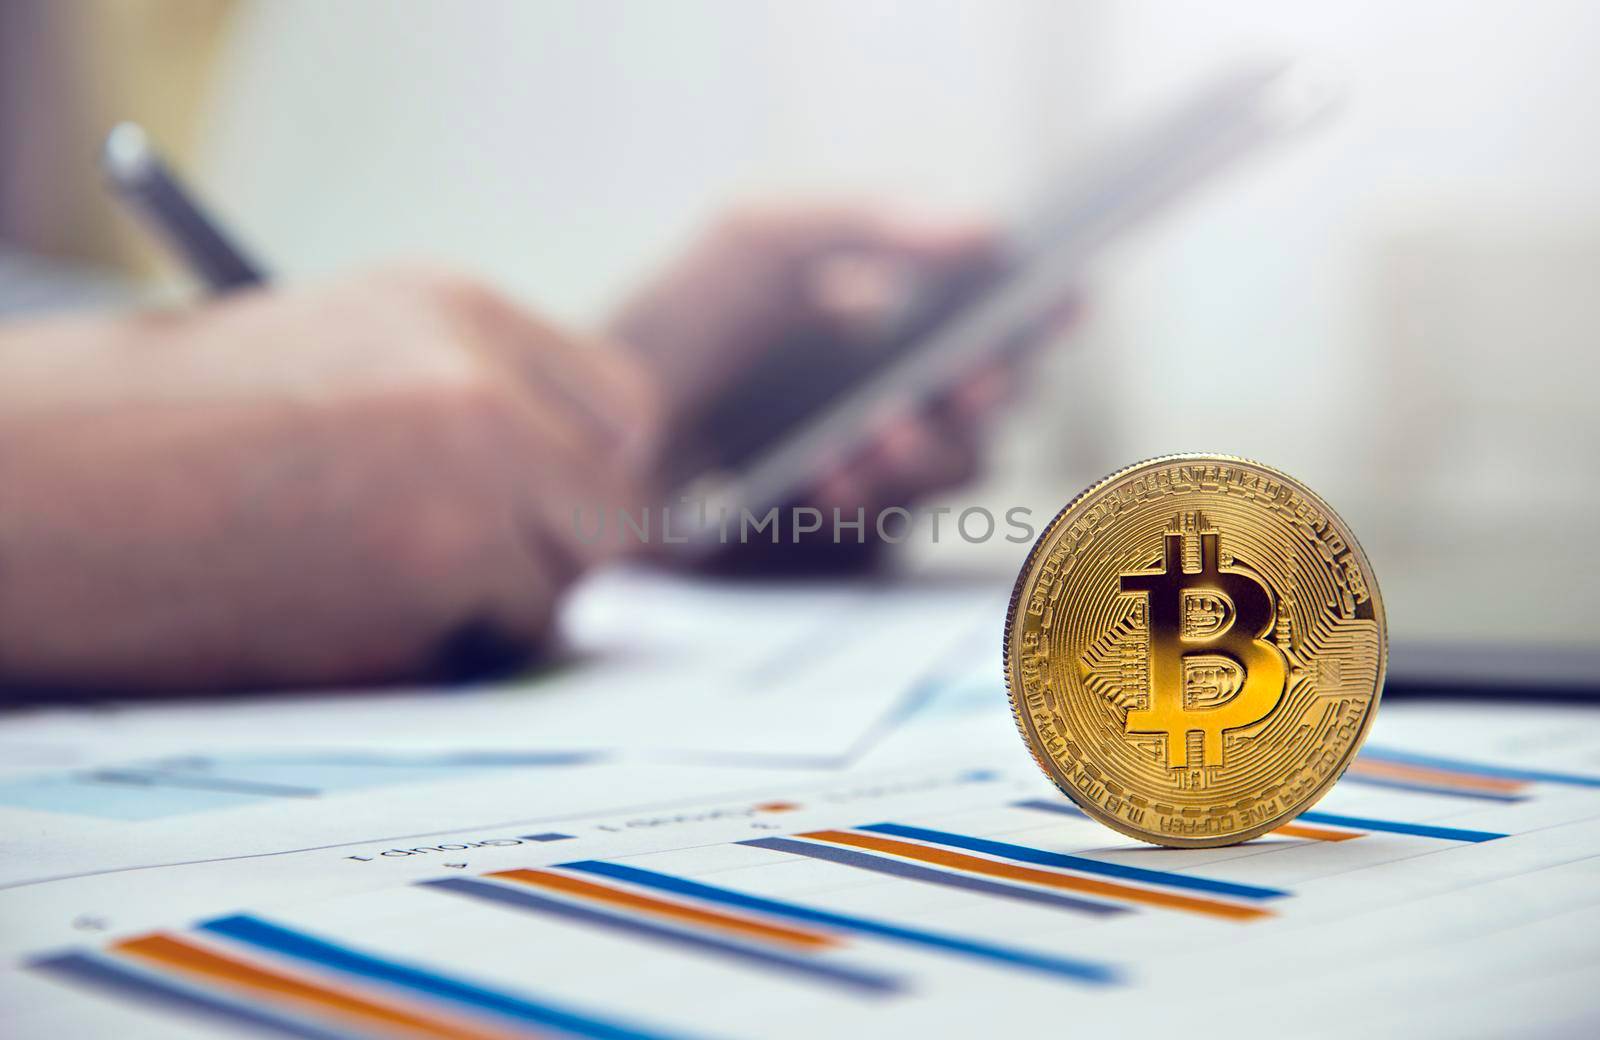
{"x": 769, "y": 277}
{"x": 910, "y": 457}
{"x": 929, "y": 455}
{"x": 597, "y": 392}
{"x": 856, "y": 292}
{"x": 565, "y": 422}
{"x": 1048, "y": 326}
{"x": 977, "y": 397}
{"x": 845, "y": 489}
{"x": 859, "y": 279}
{"x": 799, "y": 233}
{"x": 943, "y": 241}
{"x": 827, "y": 245}
{"x": 605, "y": 389}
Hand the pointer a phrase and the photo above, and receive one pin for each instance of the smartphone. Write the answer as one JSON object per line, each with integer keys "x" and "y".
{"x": 807, "y": 405}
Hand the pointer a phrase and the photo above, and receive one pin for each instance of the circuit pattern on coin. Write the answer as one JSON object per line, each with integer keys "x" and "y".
{"x": 1195, "y": 649}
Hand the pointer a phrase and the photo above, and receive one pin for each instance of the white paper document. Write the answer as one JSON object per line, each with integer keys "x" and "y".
{"x": 756, "y": 811}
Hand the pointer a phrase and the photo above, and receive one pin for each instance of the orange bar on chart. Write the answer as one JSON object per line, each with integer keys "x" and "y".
{"x": 169, "y": 951}
{"x": 1033, "y": 875}
{"x": 1305, "y": 830}
{"x": 745, "y": 927}
{"x": 1435, "y": 777}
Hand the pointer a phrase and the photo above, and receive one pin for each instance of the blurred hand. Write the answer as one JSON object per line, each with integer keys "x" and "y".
{"x": 356, "y": 483}
{"x": 759, "y": 277}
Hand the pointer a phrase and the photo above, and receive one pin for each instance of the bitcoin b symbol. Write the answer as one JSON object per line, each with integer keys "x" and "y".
{"x": 1210, "y": 670}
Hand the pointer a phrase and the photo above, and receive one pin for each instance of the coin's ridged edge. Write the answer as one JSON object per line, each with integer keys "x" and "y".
{"x": 1094, "y": 812}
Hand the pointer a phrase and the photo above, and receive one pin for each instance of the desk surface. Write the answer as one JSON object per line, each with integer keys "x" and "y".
{"x": 763, "y": 811}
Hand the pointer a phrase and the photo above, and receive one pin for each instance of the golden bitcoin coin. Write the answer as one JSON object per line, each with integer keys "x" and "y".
{"x": 1195, "y": 649}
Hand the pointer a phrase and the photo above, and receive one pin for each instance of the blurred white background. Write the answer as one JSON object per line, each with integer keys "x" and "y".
{"x": 1399, "y": 310}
